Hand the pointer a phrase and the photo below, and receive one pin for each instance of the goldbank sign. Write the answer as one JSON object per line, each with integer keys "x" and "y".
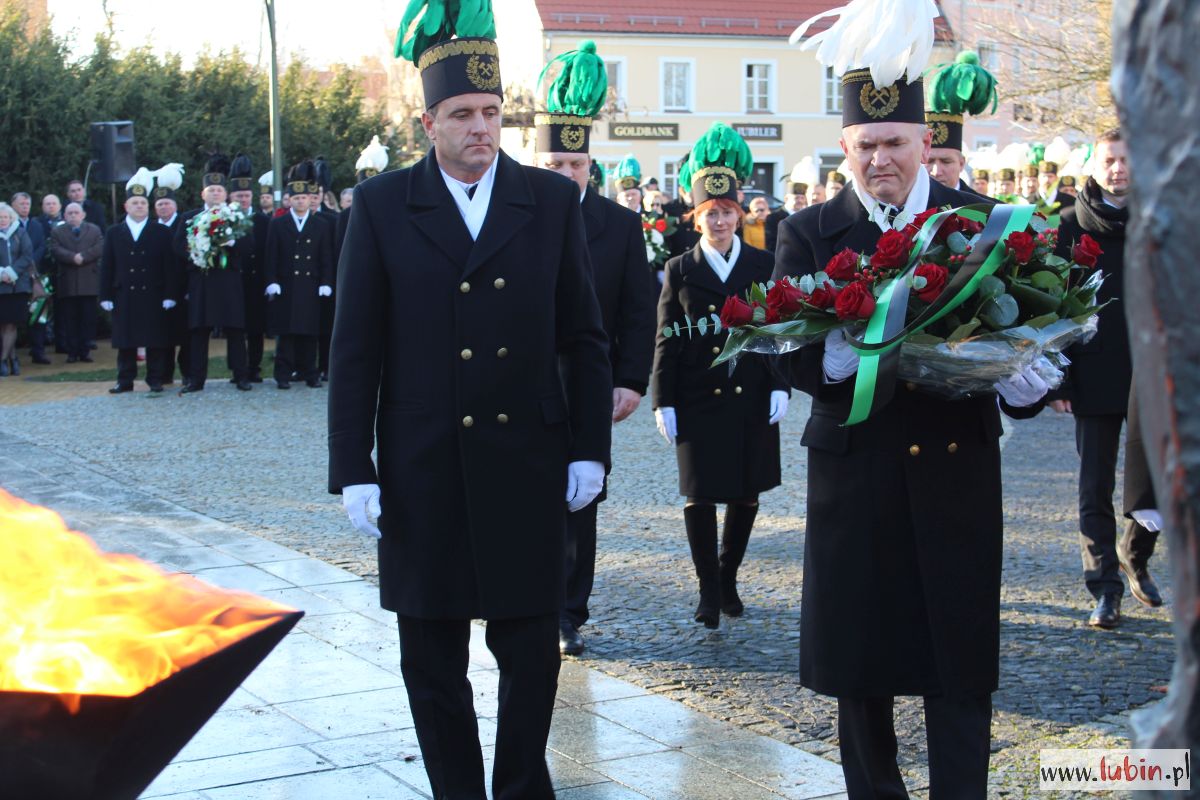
{"x": 666, "y": 131}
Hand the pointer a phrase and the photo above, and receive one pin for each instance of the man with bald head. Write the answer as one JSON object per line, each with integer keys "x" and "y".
{"x": 76, "y": 247}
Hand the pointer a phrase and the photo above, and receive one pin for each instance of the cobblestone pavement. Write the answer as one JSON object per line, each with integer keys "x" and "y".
{"x": 257, "y": 461}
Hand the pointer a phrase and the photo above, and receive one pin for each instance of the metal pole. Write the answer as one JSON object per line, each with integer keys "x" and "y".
{"x": 276, "y": 129}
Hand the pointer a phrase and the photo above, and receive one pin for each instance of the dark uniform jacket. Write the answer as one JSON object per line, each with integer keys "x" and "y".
{"x": 77, "y": 280}
{"x": 300, "y": 261}
{"x": 772, "y": 227}
{"x": 216, "y": 297}
{"x": 136, "y": 277}
{"x": 252, "y": 277}
{"x": 177, "y": 317}
{"x": 1101, "y": 370}
{"x": 903, "y": 544}
{"x": 725, "y": 448}
{"x": 445, "y": 354}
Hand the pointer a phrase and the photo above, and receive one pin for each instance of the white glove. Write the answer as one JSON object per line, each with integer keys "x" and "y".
{"x": 273, "y": 289}
{"x": 361, "y": 502}
{"x": 168, "y": 305}
{"x": 664, "y": 418}
{"x": 1148, "y": 518}
{"x": 1023, "y": 389}
{"x": 585, "y": 479}
{"x": 325, "y": 291}
{"x": 107, "y": 305}
{"x": 779, "y": 406}
{"x": 8, "y": 275}
{"x": 841, "y": 360}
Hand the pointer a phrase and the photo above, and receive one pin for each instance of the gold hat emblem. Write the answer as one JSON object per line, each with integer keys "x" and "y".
{"x": 716, "y": 185}
{"x": 878, "y": 103}
{"x": 483, "y": 72}
{"x": 572, "y": 137}
{"x": 941, "y": 132}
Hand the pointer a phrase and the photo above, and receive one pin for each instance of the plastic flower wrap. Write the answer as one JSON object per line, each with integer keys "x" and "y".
{"x": 212, "y": 232}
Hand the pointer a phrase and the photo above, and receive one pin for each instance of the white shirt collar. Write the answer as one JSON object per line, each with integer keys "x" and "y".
{"x": 170, "y": 221}
{"x": 298, "y": 219}
{"x": 136, "y": 228}
{"x": 918, "y": 199}
{"x": 716, "y": 259}
{"x": 473, "y": 209}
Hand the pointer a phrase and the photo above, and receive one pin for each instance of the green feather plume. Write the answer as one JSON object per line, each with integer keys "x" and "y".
{"x": 428, "y": 22}
{"x": 1037, "y": 153}
{"x": 722, "y": 146}
{"x": 628, "y": 168}
{"x": 963, "y": 87}
{"x": 582, "y": 84}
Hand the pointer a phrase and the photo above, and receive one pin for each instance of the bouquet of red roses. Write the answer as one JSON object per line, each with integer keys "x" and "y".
{"x": 213, "y": 231}
{"x": 655, "y": 230}
{"x": 956, "y": 301}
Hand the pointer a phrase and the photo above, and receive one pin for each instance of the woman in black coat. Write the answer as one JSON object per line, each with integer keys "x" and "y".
{"x": 723, "y": 426}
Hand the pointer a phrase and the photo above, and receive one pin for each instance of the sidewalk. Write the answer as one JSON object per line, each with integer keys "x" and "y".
{"x": 326, "y": 715}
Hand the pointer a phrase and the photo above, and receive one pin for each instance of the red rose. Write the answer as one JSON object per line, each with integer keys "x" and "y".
{"x": 661, "y": 226}
{"x": 951, "y": 225}
{"x": 892, "y": 250}
{"x": 935, "y": 280}
{"x": 855, "y": 302}
{"x": 914, "y": 227}
{"x": 970, "y": 227}
{"x": 823, "y": 296}
{"x": 783, "y": 299}
{"x": 736, "y": 312}
{"x": 1021, "y": 245}
{"x": 645, "y": 226}
{"x": 843, "y": 266}
{"x": 1086, "y": 251}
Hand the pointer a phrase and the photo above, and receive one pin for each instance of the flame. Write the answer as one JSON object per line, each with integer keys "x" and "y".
{"x": 75, "y": 620}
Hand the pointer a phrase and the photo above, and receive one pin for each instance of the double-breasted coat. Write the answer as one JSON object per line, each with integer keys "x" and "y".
{"x": 252, "y": 278}
{"x": 77, "y": 280}
{"x": 725, "y": 448}
{"x": 904, "y": 534}
{"x": 446, "y": 356}
{"x": 136, "y": 276}
{"x": 216, "y": 296}
{"x": 300, "y": 261}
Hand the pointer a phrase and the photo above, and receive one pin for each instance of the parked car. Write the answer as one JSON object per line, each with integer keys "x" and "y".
{"x": 749, "y": 194}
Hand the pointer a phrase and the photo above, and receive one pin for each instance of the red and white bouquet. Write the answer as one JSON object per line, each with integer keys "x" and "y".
{"x": 213, "y": 232}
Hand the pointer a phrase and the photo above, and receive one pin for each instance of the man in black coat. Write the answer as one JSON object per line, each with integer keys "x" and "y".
{"x": 1097, "y": 391}
{"x": 903, "y": 546}
{"x": 137, "y": 285}
{"x": 299, "y": 275}
{"x": 93, "y": 211}
{"x": 166, "y": 213}
{"x": 318, "y": 205}
{"x": 464, "y": 280}
{"x": 241, "y": 191}
{"x": 622, "y": 279}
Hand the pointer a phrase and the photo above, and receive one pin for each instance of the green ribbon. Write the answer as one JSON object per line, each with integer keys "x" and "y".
{"x": 886, "y": 330}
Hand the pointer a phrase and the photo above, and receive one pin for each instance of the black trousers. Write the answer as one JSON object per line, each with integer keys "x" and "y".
{"x": 327, "y": 308}
{"x": 296, "y": 354}
{"x": 1098, "y": 440}
{"x": 958, "y": 732}
{"x": 60, "y": 327}
{"x": 433, "y": 660}
{"x": 581, "y": 564}
{"x": 157, "y": 359}
{"x": 254, "y": 353}
{"x": 79, "y": 321}
{"x": 235, "y": 349}
{"x": 37, "y": 340}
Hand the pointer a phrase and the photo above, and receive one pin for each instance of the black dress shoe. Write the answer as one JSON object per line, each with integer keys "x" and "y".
{"x": 87, "y": 359}
{"x": 156, "y": 388}
{"x": 570, "y": 643}
{"x": 256, "y": 379}
{"x": 191, "y": 388}
{"x": 282, "y": 385}
{"x": 313, "y": 384}
{"x": 40, "y": 360}
{"x": 72, "y": 359}
{"x": 1107, "y": 613}
{"x": 244, "y": 386}
{"x": 120, "y": 389}
{"x": 1140, "y": 583}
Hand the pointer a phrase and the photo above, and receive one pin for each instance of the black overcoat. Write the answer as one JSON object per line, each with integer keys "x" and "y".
{"x": 904, "y": 534}
{"x": 725, "y": 448}
{"x": 445, "y": 356}
{"x": 253, "y": 284}
{"x": 216, "y": 297}
{"x": 300, "y": 261}
{"x": 136, "y": 277}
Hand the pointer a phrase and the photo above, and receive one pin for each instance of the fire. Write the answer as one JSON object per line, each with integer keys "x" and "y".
{"x": 75, "y": 620}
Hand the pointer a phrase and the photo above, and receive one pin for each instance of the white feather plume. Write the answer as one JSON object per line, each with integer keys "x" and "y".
{"x": 374, "y": 156}
{"x": 1014, "y": 156}
{"x": 804, "y": 172}
{"x": 169, "y": 176}
{"x": 144, "y": 178}
{"x": 1058, "y": 151}
{"x": 892, "y": 38}
{"x": 1076, "y": 164}
{"x": 267, "y": 178}
{"x": 984, "y": 158}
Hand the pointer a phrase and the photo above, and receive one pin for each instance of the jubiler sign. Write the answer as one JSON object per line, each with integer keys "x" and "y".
{"x": 772, "y": 133}
{"x": 643, "y": 130}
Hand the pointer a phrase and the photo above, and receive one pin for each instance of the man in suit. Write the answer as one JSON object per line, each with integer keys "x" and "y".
{"x": 1097, "y": 392}
{"x": 166, "y": 213}
{"x": 77, "y": 246}
{"x": 324, "y": 190}
{"x": 624, "y": 288}
{"x": 93, "y": 211}
{"x": 464, "y": 280}
{"x": 901, "y": 594}
{"x": 241, "y": 191}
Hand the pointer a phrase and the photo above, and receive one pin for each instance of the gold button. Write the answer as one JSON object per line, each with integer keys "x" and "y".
{"x": 502, "y": 352}
{"x": 464, "y": 287}
{"x": 737, "y": 390}
{"x": 466, "y": 354}
{"x": 499, "y": 283}
{"x": 952, "y": 447}
{"x": 712, "y": 308}
{"x": 502, "y": 419}
{"x": 914, "y": 450}
{"x": 717, "y": 392}
{"x": 912, "y": 387}
{"x": 716, "y": 351}
{"x": 468, "y": 422}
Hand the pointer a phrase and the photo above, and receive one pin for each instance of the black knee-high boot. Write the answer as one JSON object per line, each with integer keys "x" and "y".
{"x": 701, "y": 523}
{"x": 739, "y": 519}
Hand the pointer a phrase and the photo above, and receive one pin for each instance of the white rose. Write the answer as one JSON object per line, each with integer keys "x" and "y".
{"x": 656, "y": 237}
{"x": 650, "y": 254}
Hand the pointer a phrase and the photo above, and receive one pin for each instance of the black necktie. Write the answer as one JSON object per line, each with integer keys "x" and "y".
{"x": 471, "y": 191}
{"x": 892, "y": 213}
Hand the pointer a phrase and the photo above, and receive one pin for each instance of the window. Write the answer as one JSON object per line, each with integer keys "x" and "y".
{"x": 677, "y": 85}
{"x": 670, "y": 178}
{"x": 610, "y": 167}
{"x": 758, "y": 88}
{"x": 982, "y": 142}
{"x": 829, "y": 162}
{"x": 989, "y": 56}
{"x": 616, "y": 83}
{"x": 833, "y": 92}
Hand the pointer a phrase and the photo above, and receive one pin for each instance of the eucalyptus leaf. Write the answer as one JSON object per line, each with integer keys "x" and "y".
{"x": 821, "y": 278}
{"x": 1038, "y": 224}
{"x": 760, "y": 315}
{"x": 1000, "y": 312}
{"x": 963, "y": 331}
{"x": 990, "y": 287}
{"x": 957, "y": 243}
{"x": 668, "y": 332}
{"x": 807, "y": 284}
{"x": 919, "y": 282}
{"x": 1052, "y": 260}
{"x": 702, "y": 326}
{"x": 716, "y": 323}
{"x": 676, "y": 326}
{"x": 1044, "y": 320}
{"x": 1032, "y": 301}
{"x": 1046, "y": 280}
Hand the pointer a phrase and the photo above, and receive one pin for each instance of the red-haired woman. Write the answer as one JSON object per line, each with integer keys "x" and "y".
{"x": 723, "y": 426}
